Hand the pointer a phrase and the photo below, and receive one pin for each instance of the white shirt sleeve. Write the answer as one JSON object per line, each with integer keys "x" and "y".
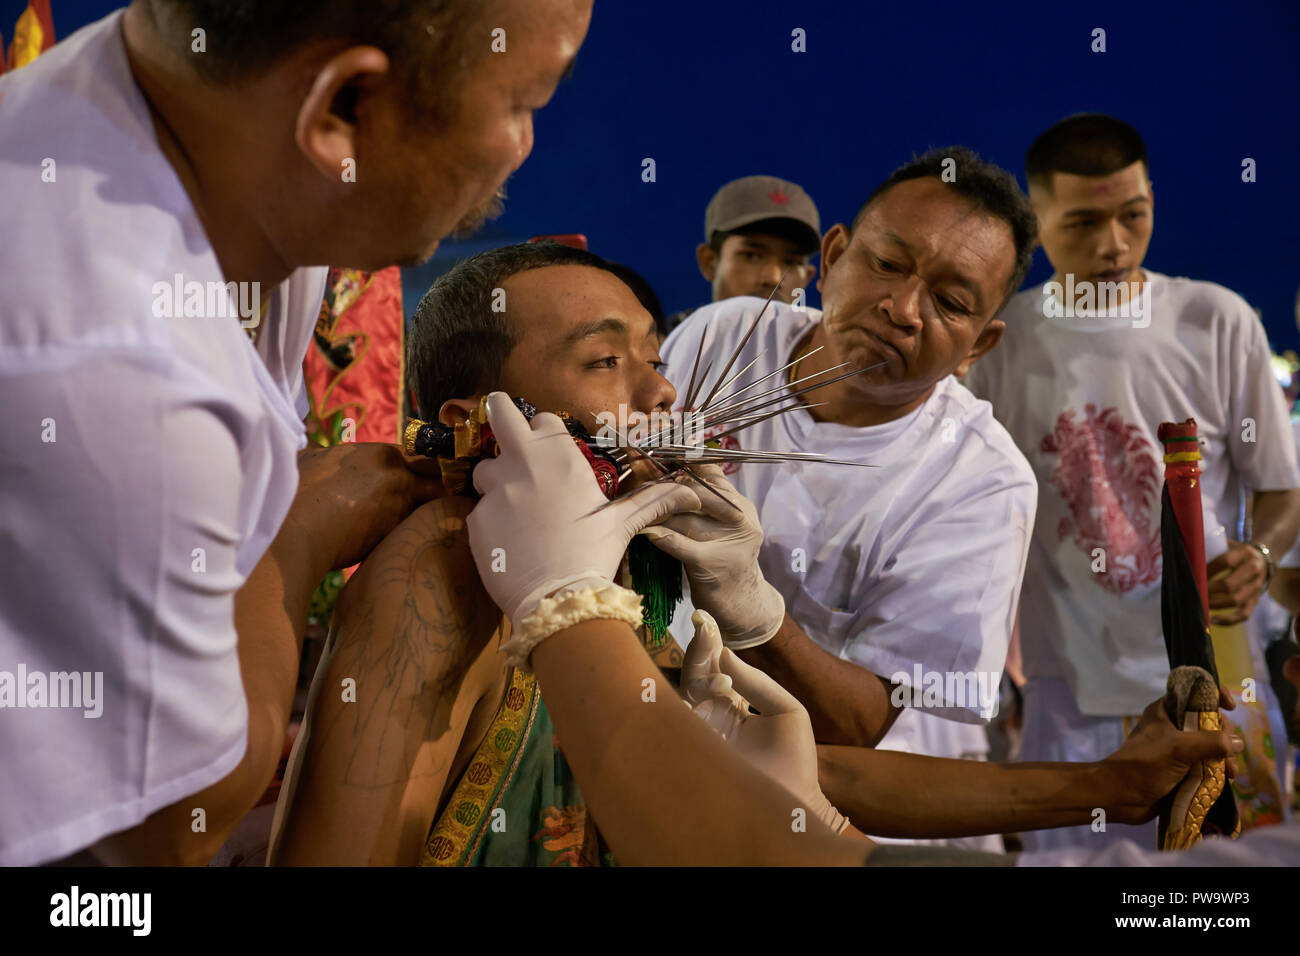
{"x": 121, "y": 484}
{"x": 1266, "y": 459}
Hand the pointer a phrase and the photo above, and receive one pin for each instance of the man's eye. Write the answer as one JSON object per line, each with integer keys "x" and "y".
{"x": 884, "y": 266}
{"x": 1134, "y": 216}
{"x": 1082, "y": 224}
{"x": 658, "y": 365}
{"x": 951, "y": 305}
{"x": 609, "y": 361}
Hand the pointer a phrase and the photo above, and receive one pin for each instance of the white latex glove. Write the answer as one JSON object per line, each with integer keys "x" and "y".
{"x": 777, "y": 741}
{"x": 543, "y": 524}
{"x": 719, "y": 547}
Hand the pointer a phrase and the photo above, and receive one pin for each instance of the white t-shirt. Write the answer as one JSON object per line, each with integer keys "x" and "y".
{"x": 915, "y": 562}
{"x": 145, "y": 464}
{"x": 1083, "y": 397}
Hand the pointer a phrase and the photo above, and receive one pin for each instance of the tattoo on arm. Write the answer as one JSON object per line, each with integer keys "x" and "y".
{"x": 416, "y": 620}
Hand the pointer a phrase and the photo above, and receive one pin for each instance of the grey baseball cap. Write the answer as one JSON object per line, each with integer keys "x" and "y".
{"x": 755, "y": 198}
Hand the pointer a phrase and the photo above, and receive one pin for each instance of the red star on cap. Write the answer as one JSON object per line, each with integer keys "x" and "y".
{"x": 778, "y": 197}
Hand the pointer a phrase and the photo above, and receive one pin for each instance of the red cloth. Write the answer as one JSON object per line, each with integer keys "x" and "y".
{"x": 353, "y": 368}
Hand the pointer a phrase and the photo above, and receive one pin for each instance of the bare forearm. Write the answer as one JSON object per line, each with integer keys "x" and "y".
{"x": 663, "y": 787}
{"x": 1275, "y": 520}
{"x": 847, "y": 704}
{"x": 902, "y": 795}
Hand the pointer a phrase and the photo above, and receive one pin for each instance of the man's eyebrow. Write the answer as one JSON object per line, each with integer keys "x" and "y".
{"x": 895, "y": 238}
{"x": 1094, "y": 211}
{"x": 595, "y": 327}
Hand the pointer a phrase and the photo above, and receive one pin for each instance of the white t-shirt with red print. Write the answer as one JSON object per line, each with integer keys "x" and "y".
{"x": 1083, "y": 396}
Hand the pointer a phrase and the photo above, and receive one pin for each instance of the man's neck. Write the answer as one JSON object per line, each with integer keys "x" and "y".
{"x": 843, "y": 403}
{"x": 196, "y": 134}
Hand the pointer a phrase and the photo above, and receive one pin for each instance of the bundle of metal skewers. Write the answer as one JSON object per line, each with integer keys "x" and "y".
{"x": 669, "y": 451}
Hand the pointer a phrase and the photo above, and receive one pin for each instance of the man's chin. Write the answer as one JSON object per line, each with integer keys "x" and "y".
{"x": 480, "y": 216}
{"x": 417, "y": 259}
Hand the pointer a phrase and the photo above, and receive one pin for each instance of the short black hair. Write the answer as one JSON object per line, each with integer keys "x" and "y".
{"x": 644, "y": 293}
{"x": 989, "y": 187}
{"x": 426, "y": 40}
{"x": 779, "y": 226}
{"x": 1086, "y": 144}
{"x": 456, "y": 345}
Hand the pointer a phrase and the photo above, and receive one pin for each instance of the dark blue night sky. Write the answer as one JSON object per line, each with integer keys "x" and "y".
{"x": 711, "y": 90}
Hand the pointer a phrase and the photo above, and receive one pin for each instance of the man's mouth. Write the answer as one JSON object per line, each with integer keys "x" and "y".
{"x": 883, "y": 348}
{"x": 1114, "y": 275}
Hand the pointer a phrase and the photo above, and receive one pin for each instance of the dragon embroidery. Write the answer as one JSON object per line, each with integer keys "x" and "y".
{"x": 1108, "y": 475}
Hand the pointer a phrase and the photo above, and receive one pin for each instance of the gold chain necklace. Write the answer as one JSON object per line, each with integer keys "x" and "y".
{"x": 794, "y": 369}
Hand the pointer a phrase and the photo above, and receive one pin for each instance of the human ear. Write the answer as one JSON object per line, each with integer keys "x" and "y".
{"x": 707, "y": 259}
{"x": 983, "y": 344}
{"x": 327, "y": 128}
{"x": 457, "y": 410}
{"x": 834, "y": 243}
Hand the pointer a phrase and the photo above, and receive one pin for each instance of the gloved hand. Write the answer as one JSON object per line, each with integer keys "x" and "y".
{"x": 542, "y": 524}
{"x": 778, "y": 741}
{"x": 719, "y": 547}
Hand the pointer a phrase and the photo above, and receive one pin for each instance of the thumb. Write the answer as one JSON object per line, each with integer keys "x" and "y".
{"x": 765, "y": 694}
{"x": 509, "y": 426}
{"x": 702, "y": 654}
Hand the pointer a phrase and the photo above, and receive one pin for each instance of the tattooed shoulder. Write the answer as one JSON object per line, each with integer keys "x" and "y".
{"x": 415, "y": 613}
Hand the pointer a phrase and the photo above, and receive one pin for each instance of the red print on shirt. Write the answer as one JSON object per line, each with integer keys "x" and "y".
{"x": 1109, "y": 476}
{"x": 727, "y": 441}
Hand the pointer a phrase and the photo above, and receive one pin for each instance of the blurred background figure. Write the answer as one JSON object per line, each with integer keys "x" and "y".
{"x": 1090, "y": 364}
{"x": 758, "y": 231}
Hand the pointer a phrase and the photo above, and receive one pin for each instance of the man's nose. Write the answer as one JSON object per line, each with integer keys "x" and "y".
{"x": 902, "y": 304}
{"x": 655, "y": 392}
{"x": 1113, "y": 241}
{"x": 769, "y": 274}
